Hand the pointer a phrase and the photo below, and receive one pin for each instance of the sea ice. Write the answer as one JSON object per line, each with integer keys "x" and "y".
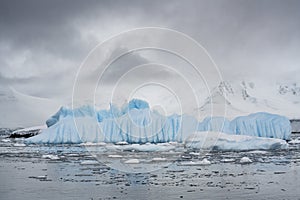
{"x": 132, "y": 161}
{"x": 51, "y": 157}
{"x": 245, "y": 160}
{"x": 227, "y": 142}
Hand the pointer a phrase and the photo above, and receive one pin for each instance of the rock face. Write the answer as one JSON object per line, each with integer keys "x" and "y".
{"x": 27, "y": 132}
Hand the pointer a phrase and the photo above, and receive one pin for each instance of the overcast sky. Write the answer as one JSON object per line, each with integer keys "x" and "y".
{"x": 42, "y": 43}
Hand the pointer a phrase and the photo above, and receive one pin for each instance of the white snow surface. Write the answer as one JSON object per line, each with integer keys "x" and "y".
{"x": 245, "y": 160}
{"x": 226, "y": 142}
{"x": 193, "y": 163}
{"x": 132, "y": 161}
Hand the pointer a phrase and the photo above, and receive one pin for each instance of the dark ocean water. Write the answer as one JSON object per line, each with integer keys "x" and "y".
{"x": 95, "y": 172}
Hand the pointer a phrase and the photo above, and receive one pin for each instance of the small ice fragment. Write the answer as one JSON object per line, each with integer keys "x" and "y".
{"x": 51, "y": 157}
{"x": 19, "y": 145}
{"x": 132, "y": 161}
{"x": 5, "y": 140}
{"x": 115, "y": 156}
{"x": 194, "y": 153}
{"x": 93, "y": 144}
{"x": 122, "y": 143}
{"x": 245, "y": 160}
{"x": 158, "y": 159}
{"x": 89, "y": 162}
{"x": 258, "y": 152}
{"x": 227, "y": 160}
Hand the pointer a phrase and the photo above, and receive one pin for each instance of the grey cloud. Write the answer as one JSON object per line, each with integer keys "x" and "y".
{"x": 247, "y": 39}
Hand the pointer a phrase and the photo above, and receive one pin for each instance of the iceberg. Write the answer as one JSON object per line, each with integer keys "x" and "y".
{"x": 262, "y": 125}
{"x": 220, "y": 124}
{"x": 226, "y": 142}
{"x": 257, "y": 124}
{"x": 135, "y": 122}
{"x": 63, "y": 112}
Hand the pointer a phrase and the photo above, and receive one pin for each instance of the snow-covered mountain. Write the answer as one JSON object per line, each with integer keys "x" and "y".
{"x": 245, "y": 97}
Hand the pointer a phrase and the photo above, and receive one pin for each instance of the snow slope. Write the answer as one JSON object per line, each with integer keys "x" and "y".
{"x": 246, "y": 97}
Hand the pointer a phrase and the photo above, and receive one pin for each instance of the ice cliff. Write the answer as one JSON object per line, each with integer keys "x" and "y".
{"x": 135, "y": 122}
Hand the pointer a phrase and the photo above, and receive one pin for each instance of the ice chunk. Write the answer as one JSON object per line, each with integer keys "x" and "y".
{"x": 159, "y": 159}
{"x": 245, "y": 160}
{"x": 196, "y": 163}
{"x": 227, "y": 160}
{"x": 51, "y": 157}
{"x": 227, "y": 142}
{"x": 114, "y": 156}
{"x": 19, "y": 145}
{"x": 132, "y": 161}
{"x": 262, "y": 125}
{"x": 89, "y": 162}
{"x": 144, "y": 147}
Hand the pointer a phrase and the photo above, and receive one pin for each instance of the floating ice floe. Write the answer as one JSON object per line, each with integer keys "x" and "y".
{"x": 159, "y": 159}
{"x": 132, "y": 161}
{"x": 227, "y": 160}
{"x": 227, "y": 142}
{"x": 245, "y": 160}
{"x": 89, "y": 162}
{"x": 19, "y": 145}
{"x": 51, "y": 157}
{"x": 114, "y": 156}
{"x": 5, "y": 140}
{"x": 143, "y": 147}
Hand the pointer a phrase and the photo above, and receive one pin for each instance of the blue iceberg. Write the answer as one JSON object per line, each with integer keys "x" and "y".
{"x": 220, "y": 124}
{"x": 135, "y": 122}
{"x": 262, "y": 125}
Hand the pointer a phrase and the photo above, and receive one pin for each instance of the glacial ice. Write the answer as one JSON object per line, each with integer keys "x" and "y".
{"x": 135, "y": 122}
{"x": 215, "y": 124}
{"x": 262, "y": 125}
{"x": 227, "y": 142}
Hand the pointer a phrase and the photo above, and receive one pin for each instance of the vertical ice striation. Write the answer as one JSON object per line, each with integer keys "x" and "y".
{"x": 137, "y": 123}
{"x": 262, "y": 125}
